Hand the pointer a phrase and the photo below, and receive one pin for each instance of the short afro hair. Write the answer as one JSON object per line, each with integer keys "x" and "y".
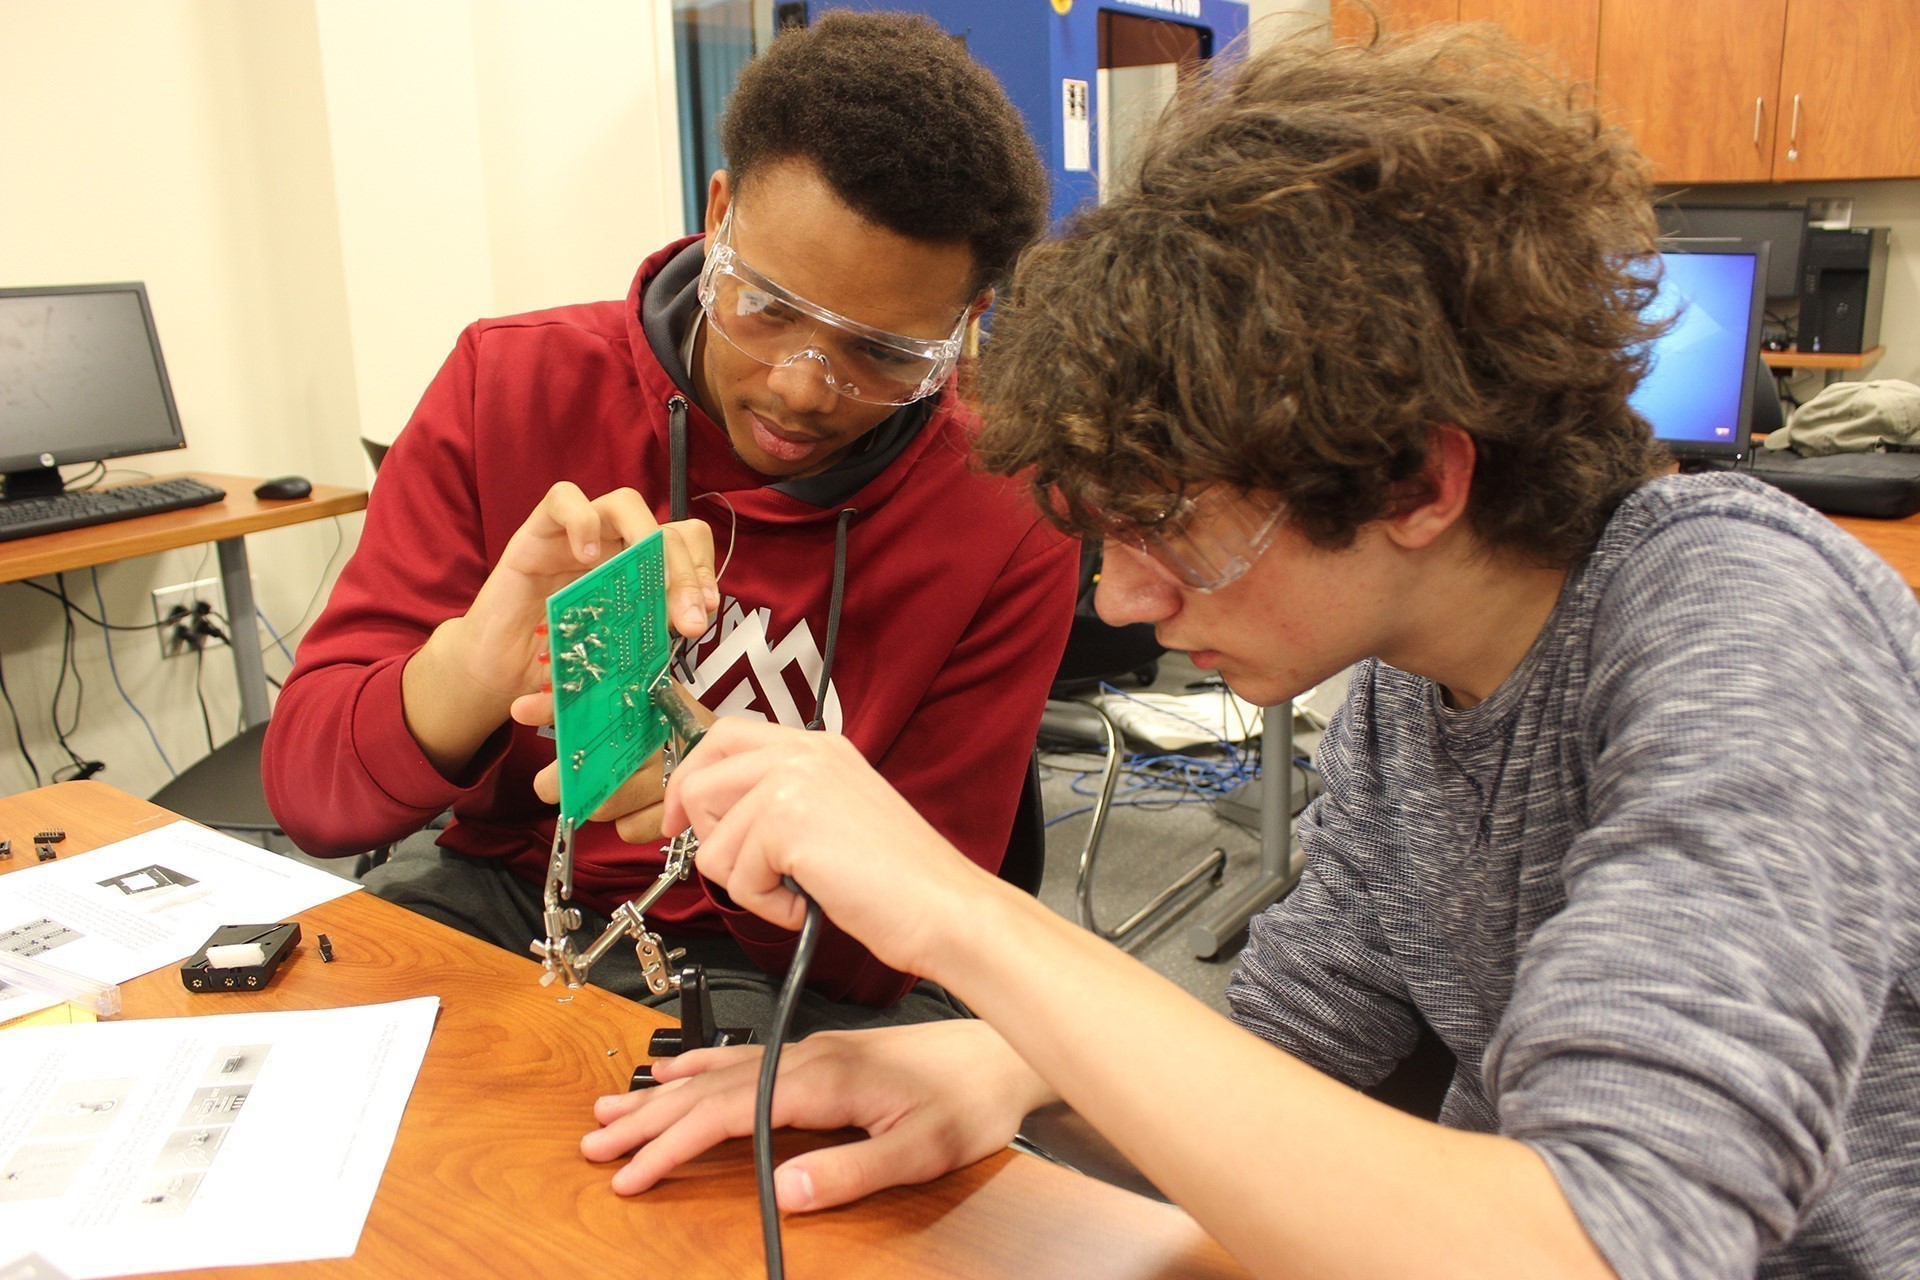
{"x": 908, "y": 130}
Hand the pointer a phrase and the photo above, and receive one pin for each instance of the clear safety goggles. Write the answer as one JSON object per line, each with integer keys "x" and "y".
{"x": 777, "y": 328}
{"x": 1204, "y": 541}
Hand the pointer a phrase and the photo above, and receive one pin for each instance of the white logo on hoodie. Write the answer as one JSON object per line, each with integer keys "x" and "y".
{"x": 737, "y": 658}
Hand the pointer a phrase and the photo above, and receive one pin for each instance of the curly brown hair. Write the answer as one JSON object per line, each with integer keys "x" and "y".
{"x": 907, "y": 129}
{"x": 1324, "y": 253}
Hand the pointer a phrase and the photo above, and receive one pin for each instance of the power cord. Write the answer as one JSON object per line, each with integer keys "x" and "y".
{"x": 106, "y": 640}
{"x": 78, "y": 769}
{"x": 200, "y": 692}
{"x": 84, "y": 616}
{"x": 687, "y": 726}
{"x": 18, "y": 736}
{"x": 1173, "y": 778}
{"x": 278, "y": 640}
{"x": 769, "y": 1069}
{"x": 204, "y": 626}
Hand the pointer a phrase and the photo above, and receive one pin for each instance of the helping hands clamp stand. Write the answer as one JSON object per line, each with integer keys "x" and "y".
{"x": 629, "y": 918}
{"x": 561, "y": 961}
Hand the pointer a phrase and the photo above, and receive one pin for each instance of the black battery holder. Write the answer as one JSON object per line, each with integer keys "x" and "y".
{"x": 275, "y": 940}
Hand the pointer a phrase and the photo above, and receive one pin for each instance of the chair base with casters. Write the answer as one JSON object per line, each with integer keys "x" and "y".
{"x": 1085, "y": 723}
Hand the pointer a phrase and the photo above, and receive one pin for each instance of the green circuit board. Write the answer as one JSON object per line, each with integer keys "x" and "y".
{"x": 608, "y": 641}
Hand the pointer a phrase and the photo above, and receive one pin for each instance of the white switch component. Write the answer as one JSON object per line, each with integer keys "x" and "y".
{"x": 1076, "y": 131}
{"x": 237, "y": 955}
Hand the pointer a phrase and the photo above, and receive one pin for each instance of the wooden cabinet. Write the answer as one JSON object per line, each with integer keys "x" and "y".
{"x": 1722, "y": 90}
{"x": 1567, "y": 31}
{"x": 1853, "y": 68}
{"x": 1766, "y": 90}
{"x": 1696, "y": 82}
{"x": 1352, "y": 24}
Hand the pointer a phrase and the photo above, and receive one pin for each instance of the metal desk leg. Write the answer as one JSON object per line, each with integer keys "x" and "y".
{"x": 1277, "y": 876}
{"x": 247, "y": 663}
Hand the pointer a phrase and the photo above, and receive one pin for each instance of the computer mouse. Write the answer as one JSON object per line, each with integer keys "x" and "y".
{"x": 283, "y": 487}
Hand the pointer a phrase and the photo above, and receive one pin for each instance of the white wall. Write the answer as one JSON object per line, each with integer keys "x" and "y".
{"x": 318, "y": 194}
{"x": 1269, "y": 20}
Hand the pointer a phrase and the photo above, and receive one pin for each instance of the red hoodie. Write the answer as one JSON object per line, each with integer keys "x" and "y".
{"x": 956, "y": 605}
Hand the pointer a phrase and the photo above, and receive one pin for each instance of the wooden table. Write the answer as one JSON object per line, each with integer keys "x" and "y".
{"x": 1897, "y": 541}
{"x": 486, "y": 1176}
{"x": 225, "y": 523}
{"x": 1830, "y": 363}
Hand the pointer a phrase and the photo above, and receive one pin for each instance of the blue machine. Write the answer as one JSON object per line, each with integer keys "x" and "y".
{"x": 1053, "y": 57}
{"x": 1048, "y": 55}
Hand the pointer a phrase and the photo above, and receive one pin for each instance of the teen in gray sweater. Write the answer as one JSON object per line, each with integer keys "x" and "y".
{"x": 1622, "y": 804}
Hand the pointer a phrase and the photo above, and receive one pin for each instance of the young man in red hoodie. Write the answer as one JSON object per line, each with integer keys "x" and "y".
{"x": 783, "y": 380}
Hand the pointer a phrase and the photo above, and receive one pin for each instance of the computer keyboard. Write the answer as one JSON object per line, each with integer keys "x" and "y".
{"x": 54, "y": 513}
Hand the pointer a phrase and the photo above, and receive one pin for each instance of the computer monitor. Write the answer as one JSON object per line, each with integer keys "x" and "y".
{"x": 1699, "y": 387}
{"x": 81, "y": 380}
{"x": 1783, "y": 227}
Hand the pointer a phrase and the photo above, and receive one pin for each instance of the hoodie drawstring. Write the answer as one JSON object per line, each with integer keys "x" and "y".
{"x": 677, "y": 458}
{"x": 833, "y": 616}
{"x": 677, "y": 510}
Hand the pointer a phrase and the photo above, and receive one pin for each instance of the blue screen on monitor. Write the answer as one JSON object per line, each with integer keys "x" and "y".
{"x": 1701, "y": 367}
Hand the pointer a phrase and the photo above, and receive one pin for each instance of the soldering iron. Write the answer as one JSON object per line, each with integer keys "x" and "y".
{"x": 672, "y": 704}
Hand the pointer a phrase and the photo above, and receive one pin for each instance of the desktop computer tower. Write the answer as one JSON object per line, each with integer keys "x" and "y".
{"x": 1843, "y": 280}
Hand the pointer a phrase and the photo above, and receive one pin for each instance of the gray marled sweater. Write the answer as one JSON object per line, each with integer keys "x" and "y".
{"x": 1660, "y": 894}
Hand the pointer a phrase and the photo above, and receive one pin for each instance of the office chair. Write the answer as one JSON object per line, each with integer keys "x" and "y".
{"x": 1026, "y": 859}
{"x": 1099, "y": 653}
{"x": 223, "y": 790}
{"x": 1768, "y": 416}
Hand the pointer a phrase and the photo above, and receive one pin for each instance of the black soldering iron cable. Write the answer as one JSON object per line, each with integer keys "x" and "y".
{"x": 691, "y": 731}
{"x": 769, "y": 1068}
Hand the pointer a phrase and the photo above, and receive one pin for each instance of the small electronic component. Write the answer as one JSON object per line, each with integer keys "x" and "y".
{"x": 239, "y": 957}
{"x": 54, "y": 836}
{"x": 6, "y": 848}
{"x": 45, "y": 852}
{"x": 326, "y": 947}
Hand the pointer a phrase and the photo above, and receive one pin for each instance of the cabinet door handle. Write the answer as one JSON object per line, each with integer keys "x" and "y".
{"x": 1757, "y": 104}
{"x": 1793, "y": 133}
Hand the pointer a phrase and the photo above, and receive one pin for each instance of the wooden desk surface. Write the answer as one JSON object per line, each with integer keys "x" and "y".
{"x": 1822, "y": 359}
{"x": 1897, "y": 541}
{"x": 486, "y": 1176}
{"x": 238, "y": 514}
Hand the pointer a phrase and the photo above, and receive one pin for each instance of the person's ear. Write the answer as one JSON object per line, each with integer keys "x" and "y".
{"x": 980, "y": 305}
{"x": 1437, "y": 498}
{"x": 719, "y": 196}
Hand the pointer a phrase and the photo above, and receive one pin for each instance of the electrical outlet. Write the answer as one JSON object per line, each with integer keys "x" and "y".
{"x": 177, "y": 609}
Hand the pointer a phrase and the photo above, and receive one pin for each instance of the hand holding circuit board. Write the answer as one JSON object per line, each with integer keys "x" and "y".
{"x": 568, "y": 536}
{"x": 486, "y": 665}
{"x": 505, "y": 634}
{"x": 614, "y": 709}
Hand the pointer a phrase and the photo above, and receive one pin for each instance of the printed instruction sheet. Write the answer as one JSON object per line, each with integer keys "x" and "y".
{"x": 143, "y": 903}
{"x": 245, "y": 1138}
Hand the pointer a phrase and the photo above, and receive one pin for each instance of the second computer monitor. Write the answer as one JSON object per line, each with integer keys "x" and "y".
{"x": 1783, "y": 227}
{"x": 1699, "y": 387}
{"x": 81, "y": 380}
